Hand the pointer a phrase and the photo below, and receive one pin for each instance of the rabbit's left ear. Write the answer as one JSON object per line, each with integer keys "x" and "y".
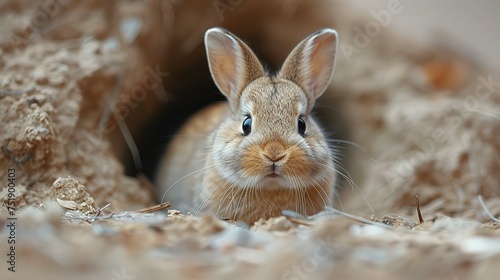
{"x": 232, "y": 63}
{"x": 311, "y": 63}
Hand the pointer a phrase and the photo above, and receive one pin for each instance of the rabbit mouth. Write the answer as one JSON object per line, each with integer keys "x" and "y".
{"x": 274, "y": 171}
{"x": 273, "y": 175}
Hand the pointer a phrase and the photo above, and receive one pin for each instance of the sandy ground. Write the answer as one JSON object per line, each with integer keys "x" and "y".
{"x": 79, "y": 78}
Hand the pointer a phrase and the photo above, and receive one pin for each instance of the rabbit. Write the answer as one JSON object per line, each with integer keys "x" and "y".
{"x": 261, "y": 152}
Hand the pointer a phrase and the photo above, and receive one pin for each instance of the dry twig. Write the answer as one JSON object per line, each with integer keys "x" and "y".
{"x": 155, "y": 208}
{"x": 417, "y": 202}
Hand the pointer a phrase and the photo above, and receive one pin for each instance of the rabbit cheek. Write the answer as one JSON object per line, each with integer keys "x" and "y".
{"x": 298, "y": 164}
{"x": 251, "y": 161}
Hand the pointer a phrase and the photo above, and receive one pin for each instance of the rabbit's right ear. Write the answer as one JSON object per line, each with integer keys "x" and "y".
{"x": 311, "y": 63}
{"x": 232, "y": 63}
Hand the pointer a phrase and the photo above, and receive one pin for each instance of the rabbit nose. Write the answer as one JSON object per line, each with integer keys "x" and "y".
{"x": 274, "y": 151}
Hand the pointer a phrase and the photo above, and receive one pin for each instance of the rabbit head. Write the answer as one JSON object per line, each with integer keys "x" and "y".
{"x": 270, "y": 142}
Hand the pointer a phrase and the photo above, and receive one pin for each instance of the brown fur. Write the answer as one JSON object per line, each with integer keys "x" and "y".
{"x": 253, "y": 204}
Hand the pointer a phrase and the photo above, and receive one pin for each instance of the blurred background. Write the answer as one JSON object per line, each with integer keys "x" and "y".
{"x": 466, "y": 26}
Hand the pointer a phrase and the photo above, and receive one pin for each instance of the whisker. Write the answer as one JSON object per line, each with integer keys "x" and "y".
{"x": 338, "y": 197}
{"x": 348, "y": 178}
{"x": 362, "y": 150}
{"x": 205, "y": 199}
{"x": 230, "y": 190}
{"x": 318, "y": 188}
{"x": 184, "y": 177}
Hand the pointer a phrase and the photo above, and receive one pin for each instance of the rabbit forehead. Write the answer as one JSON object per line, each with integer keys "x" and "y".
{"x": 273, "y": 97}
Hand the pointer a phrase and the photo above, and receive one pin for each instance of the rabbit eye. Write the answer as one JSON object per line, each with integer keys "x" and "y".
{"x": 247, "y": 126}
{"x": 302, "y": 126}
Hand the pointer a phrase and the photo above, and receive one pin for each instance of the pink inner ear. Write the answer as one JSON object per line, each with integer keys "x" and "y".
{"x": 321, "y": 57}
{"x": 223, "y": 55}
{"x": 232, "y": 64}
{"x": 226, "y": 66}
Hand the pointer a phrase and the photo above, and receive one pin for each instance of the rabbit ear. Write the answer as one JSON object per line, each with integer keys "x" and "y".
{"x": 311, "y": 63}
{"x": 232, "y": 63}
